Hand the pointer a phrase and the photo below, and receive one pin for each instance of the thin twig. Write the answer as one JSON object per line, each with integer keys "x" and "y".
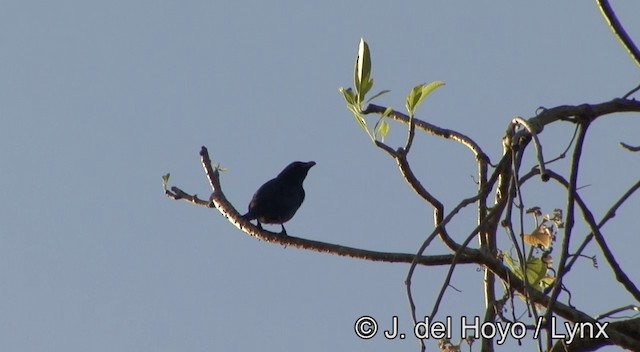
{"x": 533, "y": 132}
{"x": 571, "y": 195}
{"x": 611, "y": 213}
{"x": 621, "y": 276}
{"x": 631, "y": 92}
{"x": 630, "y": 147}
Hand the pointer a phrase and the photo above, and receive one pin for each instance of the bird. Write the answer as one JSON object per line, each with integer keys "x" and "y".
{"x": 277, "y": 201}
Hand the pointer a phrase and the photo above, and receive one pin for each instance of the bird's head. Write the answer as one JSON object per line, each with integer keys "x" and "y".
{"x": 296, "y": 171}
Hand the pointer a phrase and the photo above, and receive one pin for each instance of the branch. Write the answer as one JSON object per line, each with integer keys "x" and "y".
{"x": 571, "y": 195}
{"x": 220, "y": 202}
{"x": 431, "y": 129}
{"x": 616, "y": 335}
{"x": 593, "y": 111}
{"x": 611, "y": 213}
{"x": 630, "y": 147}
{"x": 533, "y": 132}
{"x": 615, "y": 25}
{"x": 631, "y": 92}
{"x": 177, "y": 194}
{"x": 621, "y": 276}
{"x": 595, "y": 230}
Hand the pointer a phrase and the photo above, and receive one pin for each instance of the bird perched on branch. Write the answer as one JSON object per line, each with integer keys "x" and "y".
{"x": 277, "y": 201}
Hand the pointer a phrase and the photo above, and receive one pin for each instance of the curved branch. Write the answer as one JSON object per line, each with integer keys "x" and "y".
{"x": 615, "y": 25}
{"x": 630, "y": 147}
{"x": 593, "y": 111}
{"x": 534, "y": 134}
{"x": 460, "y": 251}
{"x": 432, "y": 129}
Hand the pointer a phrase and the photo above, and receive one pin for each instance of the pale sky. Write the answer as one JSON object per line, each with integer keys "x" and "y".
{"x": 100, "y": 99}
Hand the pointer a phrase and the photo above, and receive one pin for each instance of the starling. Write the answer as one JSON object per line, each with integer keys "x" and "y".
{"x": 277, "y": 201}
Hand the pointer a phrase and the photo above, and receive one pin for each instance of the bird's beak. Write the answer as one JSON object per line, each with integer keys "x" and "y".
{"x": 310, "y": 164}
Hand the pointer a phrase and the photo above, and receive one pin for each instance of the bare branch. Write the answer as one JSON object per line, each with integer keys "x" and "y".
{"x": 629, "y": 147}
{"x": 621, "y": 276}
{"x": 618, "y": 336}
{"x": 534, "y": 134}
{"x": 611, "y": 213}
{"x": 593, "y": 111}
{"x": 178, "y": 194}
{"x": 431, "y": 129}
{"x": 220, "y": 202}
{"x": 618, "y": 30}
{"x": 571, "y": 195}
{"x": 631, "y": 92}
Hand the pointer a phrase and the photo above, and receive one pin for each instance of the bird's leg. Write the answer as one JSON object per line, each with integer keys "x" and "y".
{"x": 284, "y": 231}
{"x": 259, "y": 226}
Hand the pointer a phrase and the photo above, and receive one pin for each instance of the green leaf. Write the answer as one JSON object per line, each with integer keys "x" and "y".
{"x": 362, "y": 72}
{"x": 427, "y": 89}
{"x": 348, "y": 95}
{"x": 366, "y": 87}
{"x": 378, "y": 94}
{"x": 363, "y": 67}
{"x": 165, "y": 180}
{"x": 536, "y": 271}
{"x": 547, "y": 282}
{"x": 412, "y": 99}
{"x": 383, "y": 129}
{"x": 219, "y": 168}
{"x": 515, "y": 269}
{"x": 418, "y": 93}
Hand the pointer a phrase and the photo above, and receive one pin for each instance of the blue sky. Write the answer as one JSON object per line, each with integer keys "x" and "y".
{"x": 99, "y": 99}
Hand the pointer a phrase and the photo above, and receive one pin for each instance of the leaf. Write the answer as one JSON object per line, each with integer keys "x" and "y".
{"x": 536, "y": 271}
{"x": 411, "y": 100}
{"x": 541, "y": 237}
{"x": 378, "y": 94}
{"x": 426, "y": 90}
{"x": 366, "y": 87}
{"x": 348, "y": 95}
{"x": 219, "y": 168}
{"x": 418, "y": 93}
{"x": 547, "y": 281}
{"x": 383, "y": 129}
{"x": 362, "y": 72}
{"x": 165, "y": 180}
{"x": 515, "y": 269}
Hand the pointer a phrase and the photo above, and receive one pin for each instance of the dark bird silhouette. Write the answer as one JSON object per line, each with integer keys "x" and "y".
{"x": 277, "y": 201}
